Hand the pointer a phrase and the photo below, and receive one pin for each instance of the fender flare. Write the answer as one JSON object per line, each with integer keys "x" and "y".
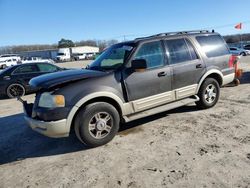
{"x": 212, "y": 71}
{"x": 87, "y": 98}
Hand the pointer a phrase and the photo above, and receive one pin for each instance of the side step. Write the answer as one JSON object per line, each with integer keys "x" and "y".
{"x": 162, "y": 108}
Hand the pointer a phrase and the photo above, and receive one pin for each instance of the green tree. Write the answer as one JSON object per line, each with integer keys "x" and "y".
{"x": 65, "y": 43}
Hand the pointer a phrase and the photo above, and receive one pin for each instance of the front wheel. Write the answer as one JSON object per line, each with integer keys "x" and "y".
{"x": 209, "y": 94}
{"x": 15, "y": 90}
{"x": 97, "y": 124}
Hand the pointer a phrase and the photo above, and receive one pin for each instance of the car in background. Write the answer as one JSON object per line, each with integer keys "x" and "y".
{"x": 14, "y": 81}
{"x": 36, "y": 59}
{"x": 239, "y": 51}
{"x": 5, "y": 57}
{"x": 79, "y": 56}
{"x": 247, "y": 47}
{"x": 90, "y": 56}
{"x": 9, "y": 62}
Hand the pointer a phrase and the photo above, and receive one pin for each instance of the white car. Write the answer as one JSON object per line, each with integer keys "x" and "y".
{"x": 79, "y": 57}
{"x": 8, "y": 63}
{"x": 36, "y": 59}
{"x": 239, "y": 51}
{"x": 6, "y": 57}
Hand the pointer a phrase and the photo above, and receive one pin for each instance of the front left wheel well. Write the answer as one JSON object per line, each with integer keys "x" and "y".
{"x": 94, "y": 100}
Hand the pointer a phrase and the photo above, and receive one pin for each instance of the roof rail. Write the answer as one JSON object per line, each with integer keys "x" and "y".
{"x": 174, "y": 33}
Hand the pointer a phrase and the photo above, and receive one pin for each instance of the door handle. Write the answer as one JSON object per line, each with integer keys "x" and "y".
{"x": 199, "y": 66}
{"x": 160, "y": 74}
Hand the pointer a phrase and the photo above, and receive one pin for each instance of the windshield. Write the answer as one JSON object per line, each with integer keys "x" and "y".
{"x": 112, "y": 58}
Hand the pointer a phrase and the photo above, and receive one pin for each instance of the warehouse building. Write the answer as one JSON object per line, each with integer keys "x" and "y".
{"x": 52, "y": 53}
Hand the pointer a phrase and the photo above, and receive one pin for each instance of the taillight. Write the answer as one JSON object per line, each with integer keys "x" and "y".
{"x": 232, "y": 61}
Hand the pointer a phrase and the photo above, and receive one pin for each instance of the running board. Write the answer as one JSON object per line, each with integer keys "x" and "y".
{"x": 162, "y": 108}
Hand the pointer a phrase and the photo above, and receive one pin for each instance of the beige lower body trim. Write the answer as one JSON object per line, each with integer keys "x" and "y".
{"x": 228, "y": 79}
{"x": 163, "y": 98}
{"x": 186, "y": 91}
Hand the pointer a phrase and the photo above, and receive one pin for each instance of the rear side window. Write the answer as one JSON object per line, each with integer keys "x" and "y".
{"x": 213, "y": 45}
{"x": 178, "y": 51}
{"x": 47, "y": 67}
{"x": 153, "y": 53}
{"x": 26, "y": 69}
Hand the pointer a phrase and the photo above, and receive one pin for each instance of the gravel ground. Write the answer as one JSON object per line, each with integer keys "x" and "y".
{"x": 184, "y": 147}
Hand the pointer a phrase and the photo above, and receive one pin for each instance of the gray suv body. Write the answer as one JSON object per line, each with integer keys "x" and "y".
{"x": 131, "y": 80}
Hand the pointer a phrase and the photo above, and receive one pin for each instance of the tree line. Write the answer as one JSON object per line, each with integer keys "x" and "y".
{"x": 63, "y": 43}
{"x": 237, "y": 38}
{"x": 102, "y": 44}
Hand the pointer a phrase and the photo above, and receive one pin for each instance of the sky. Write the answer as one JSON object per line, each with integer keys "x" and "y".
{"x": 47, "y": 21}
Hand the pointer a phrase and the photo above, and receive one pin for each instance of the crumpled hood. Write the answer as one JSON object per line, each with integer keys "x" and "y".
{"x": 51, "y": 80}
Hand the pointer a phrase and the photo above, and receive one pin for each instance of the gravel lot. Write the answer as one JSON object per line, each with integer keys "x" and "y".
{"x": 179, "y": 148}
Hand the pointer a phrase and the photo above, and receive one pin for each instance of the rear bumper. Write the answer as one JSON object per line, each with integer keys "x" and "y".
{"x": 228, "y": 79}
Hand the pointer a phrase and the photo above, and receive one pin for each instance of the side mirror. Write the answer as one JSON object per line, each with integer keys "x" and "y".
{"x": 139, "y": 65}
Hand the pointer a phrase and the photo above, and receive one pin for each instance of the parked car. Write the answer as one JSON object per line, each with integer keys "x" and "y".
{"x": 14, "y": 81}
{"x": 247, "y": 47}
{"x": 131, "y": 80}
{"x": 239, "y": 51}
{"x": 90, "y": 56}
{"x": 78, "y": 57}
{"x": 9, "y": 62}
{"x": 36, "y": 60}
{"x": 5, "y": 57}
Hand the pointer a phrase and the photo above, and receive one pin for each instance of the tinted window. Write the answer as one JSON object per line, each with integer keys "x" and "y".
{"x": 26, "y": 69}
{"x": 153, "y": 53}
{"x": 192, "y": 50}
{"x": 47, "y": 68}
{"x": 213, "y": 45}
{"x": 178, "y": 51}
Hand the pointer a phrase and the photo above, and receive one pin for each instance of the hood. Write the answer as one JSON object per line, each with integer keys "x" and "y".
{"x": 51, "y": 80}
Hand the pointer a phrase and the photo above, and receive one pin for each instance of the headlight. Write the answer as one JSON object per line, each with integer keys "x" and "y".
{"x": 51, "y": 101}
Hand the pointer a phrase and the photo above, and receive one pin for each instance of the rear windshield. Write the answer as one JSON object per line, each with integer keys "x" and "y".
{"x": 213, "y": 45}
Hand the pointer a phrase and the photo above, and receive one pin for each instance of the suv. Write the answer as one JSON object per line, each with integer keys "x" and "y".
{"x": 131, "y": 80}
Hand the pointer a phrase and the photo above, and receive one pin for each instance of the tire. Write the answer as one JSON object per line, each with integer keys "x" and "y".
{"x": 97, "y": 124}
{"x": 14, "y": 90}
{"x": 209, "y": 94}
{"x": 243, "y": 54}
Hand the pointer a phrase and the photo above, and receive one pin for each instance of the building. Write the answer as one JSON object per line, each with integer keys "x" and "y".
{"x": 52, "y": 53}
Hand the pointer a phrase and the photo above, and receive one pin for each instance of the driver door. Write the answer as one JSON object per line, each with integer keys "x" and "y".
{"x": 153, "y": 86}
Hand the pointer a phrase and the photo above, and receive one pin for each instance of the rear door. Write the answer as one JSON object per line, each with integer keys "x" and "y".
{"x": 186, "y": 64}
{"x": 45, "y": 68}
{"x": 25, "y": 73}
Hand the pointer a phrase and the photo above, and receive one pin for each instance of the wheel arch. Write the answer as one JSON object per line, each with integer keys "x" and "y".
{"x": 108, "y": 97}
{"x": 214, "y": 73}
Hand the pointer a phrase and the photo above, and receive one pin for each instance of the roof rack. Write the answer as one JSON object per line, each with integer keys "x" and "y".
{"x": 174, "y": 33}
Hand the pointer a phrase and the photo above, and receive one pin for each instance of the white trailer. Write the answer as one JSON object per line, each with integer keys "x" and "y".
{"x": 67, "y": 54}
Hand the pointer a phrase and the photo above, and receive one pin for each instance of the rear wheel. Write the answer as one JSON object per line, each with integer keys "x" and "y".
{"x": 97, "y": 124}
{"x": 15, "y": 90}
{"x": 209, "y": 94}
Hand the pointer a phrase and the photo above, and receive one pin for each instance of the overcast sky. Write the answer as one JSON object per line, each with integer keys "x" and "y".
{"x": 47, "y": 21}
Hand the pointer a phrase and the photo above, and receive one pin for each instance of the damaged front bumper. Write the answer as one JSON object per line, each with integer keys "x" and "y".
{"x": 54, "y": 129}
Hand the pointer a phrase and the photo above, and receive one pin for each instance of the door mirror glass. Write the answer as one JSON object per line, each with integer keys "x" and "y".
{"x": 139, "y": 65}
